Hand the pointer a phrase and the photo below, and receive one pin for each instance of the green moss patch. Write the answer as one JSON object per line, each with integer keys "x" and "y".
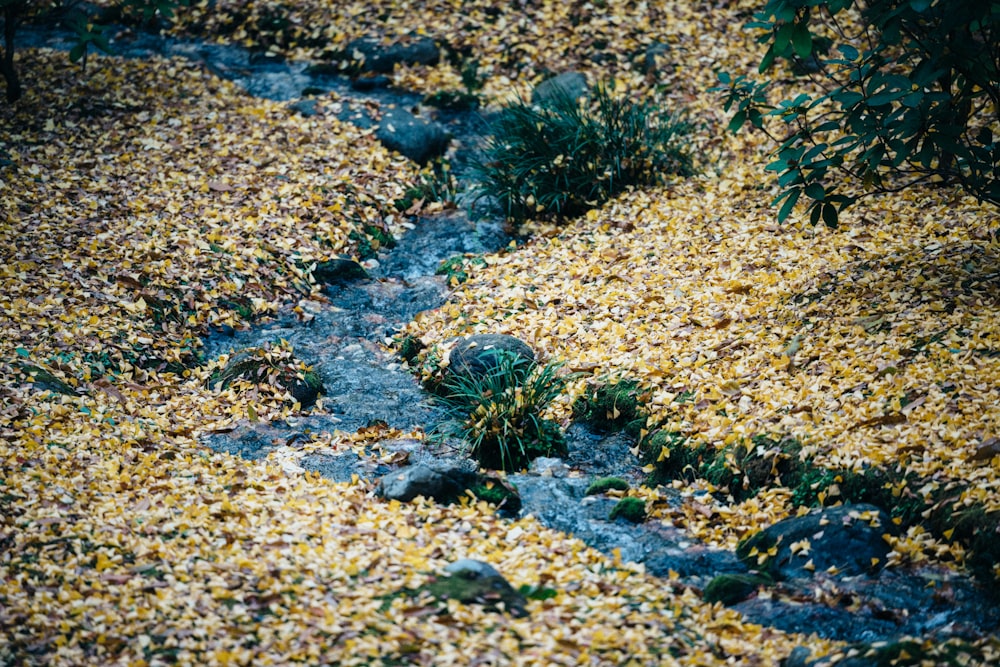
{"x": 612, "y": 406}
{"x": 605, "y": 484}
{"x": 630, "y": 508}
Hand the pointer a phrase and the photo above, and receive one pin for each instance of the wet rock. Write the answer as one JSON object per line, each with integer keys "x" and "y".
{"x": 654, "y": 56}
{"x": 369, "y": 82}
{"x": 419, "y": 140}
{"x": 843, "y": 541}
{"x": 827, "y": 622}
{"x": 338, "y": 271}
{"x": 370, "y": 54}
{"x": 561, "y": 504}
{"x": 475, "y": 582}
{"x": 567, "y": 84}
{"x": 732, "y": 588}
{"x": 258, "y": 366}
{"x": 447, "y": 485}
{"x": 305, "y": 108}
{"x": 422, "y": 480}
{"x": 478, "y": 355}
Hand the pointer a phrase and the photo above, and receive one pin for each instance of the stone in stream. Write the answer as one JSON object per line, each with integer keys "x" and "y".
{"x": 477, "y": 355}
{"x": 568, "y": 84}
{"x": 370, "y": 54}
{"x": 844, "y": 541}
{"x": 418, "y": 139}
{"x": 446, "y": 485}
{"x": 338, "y": 271}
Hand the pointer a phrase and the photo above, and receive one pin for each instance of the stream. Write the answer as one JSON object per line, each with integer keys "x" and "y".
{"x": 366, "y": 384}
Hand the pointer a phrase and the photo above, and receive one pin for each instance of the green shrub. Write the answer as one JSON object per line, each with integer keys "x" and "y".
{"x": 498, "y": 413}
{"x": 564, "y": 156}
{"x": 907, "y": 98}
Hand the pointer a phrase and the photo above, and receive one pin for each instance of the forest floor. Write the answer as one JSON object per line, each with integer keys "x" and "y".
{"x": 145, "y": 203}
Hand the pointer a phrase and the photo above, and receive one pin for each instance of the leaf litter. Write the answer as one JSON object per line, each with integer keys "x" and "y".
{"x": 146, "y": 202}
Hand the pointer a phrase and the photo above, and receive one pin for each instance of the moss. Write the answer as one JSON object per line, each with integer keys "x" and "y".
{"x": 629, "y": 508}
{"x": 732, "y": 588}
{"x": 492, "y": 593}
{"x": 606, "y": 484}
{"x": 612, "y": 406}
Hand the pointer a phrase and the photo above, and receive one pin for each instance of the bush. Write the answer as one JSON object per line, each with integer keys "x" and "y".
{"x": 498, "y": 413}
{"x": 564, "y": 156}
{"x": 910, "y": 97}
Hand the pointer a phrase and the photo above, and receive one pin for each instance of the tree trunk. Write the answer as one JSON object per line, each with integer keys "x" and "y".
{"x": 11, "y": 15}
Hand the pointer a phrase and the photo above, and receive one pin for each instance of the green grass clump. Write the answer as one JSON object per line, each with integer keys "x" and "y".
{"x": 629, "y": 508}
{"x": 612, "y": 406}
{"x": 606, "y": 484}
{"x": 499, "y": 413}
{"x": 564, "y": 156}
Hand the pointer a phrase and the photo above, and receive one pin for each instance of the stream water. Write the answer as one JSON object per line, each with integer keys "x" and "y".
{"x": 365, "y": 384}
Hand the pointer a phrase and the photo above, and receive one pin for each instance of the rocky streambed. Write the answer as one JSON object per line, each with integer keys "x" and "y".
{"x": 836, "y": 593}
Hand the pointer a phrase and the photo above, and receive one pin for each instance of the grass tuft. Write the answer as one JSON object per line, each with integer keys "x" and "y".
{"x": 498, "y": 413}
{"x": 564, "y": 156}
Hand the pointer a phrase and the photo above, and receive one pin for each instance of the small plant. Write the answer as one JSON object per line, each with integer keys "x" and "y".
{"x": 498, "y": 413}
{"x": 612, "y": 407}
{"x": 564, "y": 156}
{"x": 606, "y": 484}
{"x": 275, "y": 366}
{"x": 455, "y": 267}
{"x": 629, "y": 508}
{"x": 436, "y": 184}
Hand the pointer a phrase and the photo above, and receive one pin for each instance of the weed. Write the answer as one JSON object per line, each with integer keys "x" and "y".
{"x": 435, "y": 184}
{"x": 498, "y": 413}
{"x": 455, "y": 267}
{"x": 612, "y": 406}
{"x": 566, "y": 156}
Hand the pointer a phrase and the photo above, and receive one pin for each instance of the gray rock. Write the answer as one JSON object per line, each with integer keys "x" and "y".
{"x": 477, "y": 355}
{"x": 471, "y": 569}
{"x": 371, "y": 55}
{"x": 475, "y": 582}
{"x": 422, "y": 480}
{"x": 338, "y": 271}
{"x": 568, "y": 84}
{"x": 841, "y": 541}
{"x": 654, "y": 52}
{"x": 419, "y": 140}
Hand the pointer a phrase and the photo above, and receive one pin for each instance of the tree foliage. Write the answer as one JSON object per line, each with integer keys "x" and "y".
{"x": 90, "y": 31}
{"x": 910, "y": 95}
